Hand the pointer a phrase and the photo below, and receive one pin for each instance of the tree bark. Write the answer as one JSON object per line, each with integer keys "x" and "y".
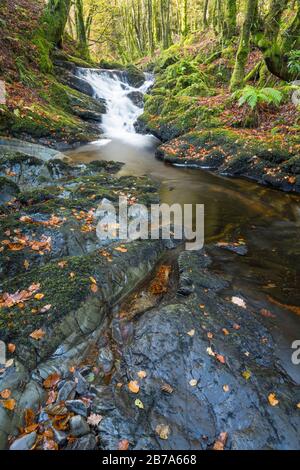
{"x": 55, "y": 19}
{"x": 238, "y": 75}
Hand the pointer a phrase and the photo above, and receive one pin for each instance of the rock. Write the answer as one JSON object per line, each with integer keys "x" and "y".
{"x": 24, "y": 442}
{"x": 87, "y": 442}
{"x": 60, "y": 437}
{"x": 137, "y": 98}
{"x": 81, "y": 383}
{"x": 78, "y": 426}
{"x": 106, "y": 359}
{"x": 8, "y": 190}
{"x": 77, "y": 407}
{"x": 67, "y": 391}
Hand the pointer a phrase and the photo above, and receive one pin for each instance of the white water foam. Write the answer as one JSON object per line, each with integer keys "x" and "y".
{"x": 122, "y": 112}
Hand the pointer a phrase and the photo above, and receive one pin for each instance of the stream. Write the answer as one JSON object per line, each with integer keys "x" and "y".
{"x": 265, "y": 220}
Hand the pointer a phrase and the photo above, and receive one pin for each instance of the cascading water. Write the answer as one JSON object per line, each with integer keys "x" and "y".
{"x": 122, "y": 111}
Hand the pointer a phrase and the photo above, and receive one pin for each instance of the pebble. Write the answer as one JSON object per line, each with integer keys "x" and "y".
{"x": 78, "y": 426}
{"x": 24, "y": 442}
{"x": 77, "y": 407}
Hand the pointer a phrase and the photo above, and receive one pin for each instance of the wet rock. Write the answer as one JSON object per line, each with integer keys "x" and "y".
{"x": 78, "y": 426}
{"x": 87, "y": 442}
{"x": 170, "y": 343}
{"x": 8, "y": 190}
{"x": 67, "y": 391}
{"x": 60, "y": 437}
{"x": 77, "y": 407}
{"x": 239, "y": 249}
{"x": 137, "y": 98}
{"x": 106, "y": 359}
{"x": 81, "y": 384}
{"x": 24, "y": 442}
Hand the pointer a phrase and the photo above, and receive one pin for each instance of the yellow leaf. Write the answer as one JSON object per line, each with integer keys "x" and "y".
{"x": 39, "y": 296}
{"x": 93, "y": 280}
{"x": 193, "y": 382}
{"x": 246, "y": 374}
{"x": 26, "y": 264}
{"x": 139, "y": 404}
{"x": 191, "y": 332}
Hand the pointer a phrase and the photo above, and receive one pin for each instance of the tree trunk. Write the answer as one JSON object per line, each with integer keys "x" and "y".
{"x": 238, "y": 75}
{"x": 275, "y": 45}
{"x": 80, "y": 29}
{"x": 55, "y": 19}
{"x": 205, "y": 12}
{"x": 229, "y": 28}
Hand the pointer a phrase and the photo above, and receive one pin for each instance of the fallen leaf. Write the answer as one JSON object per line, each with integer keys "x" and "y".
{"x": 46, "y": 308}
{"x": 94, "y": 419}
{"x": 210, "y": 335}
{"x": 167, "y": 388}
{"x": 9, "y": 363}
{"x": 31, "y": 428}
{"x": 29, "y": 417}
{"x": 52, "y": 395}
{"x": 6, "y": 393}
{"x": 39, "y": 296}
{"x": 139, "y": 403}
{"x": 220, "y": 358}
{"x": 26, "y": 264}
{"x": 93, "y": 280}
{"x": 266, "y": 313}
{"x": 238, "y": 301}
{"x": 121, "y": 249}
{"x": 221, "y": 441}
{"x": 52, "y": 380}
{"x": 236, "y": 326}
{"x": 246, "y": 374}
{"x": 142, "y": 374}
{"x": 193, "y": 382}
{"x": 226, "y": 388}
{"x": 9, "y": 404}
{"x": 62, "y": 264}
{"x": 225, "y": 331}
{"x": 298, "y": 405}
{"x": 191, "y": 332}
{"x": 94, "y": 288}
{"x": 163, "y": 431}
{"x": 210, "y": 351}
{"x": 11, "y": 348}
{"x": 273, "y": 399}
{"x": 134, "y": 386}
{"x": 37, "y": 334}
{"x": 123, "y": 444}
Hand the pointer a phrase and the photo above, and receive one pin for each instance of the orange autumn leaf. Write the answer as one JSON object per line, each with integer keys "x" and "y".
{"x": 9, "y": 404}
{"x": 52, "y": 380}
{"x": 221, "y": 441}
{"x": 121, "y": 249}
{"x": 31, "y": 428}
{"x": 273, "y": 399}
{"x": 37, "y": 334}
{"x": 123, "y": 444}
{"x": 94, "y": 288}
{"x": 225, "y": 331}
{"x": 142, "y": 374}
{"x": 6, "y": 393}
{"x": 29, "y": 417}
{"x": 11, "y": 348}
{"x": 134, "y": 386}
{"x": 220, "y": 358}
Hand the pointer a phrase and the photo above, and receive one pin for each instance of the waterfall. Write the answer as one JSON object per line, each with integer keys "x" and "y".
{"x": 122, "y": 112}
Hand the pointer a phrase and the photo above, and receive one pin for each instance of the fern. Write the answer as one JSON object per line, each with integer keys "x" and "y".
{"x": 294, "y": 63}
{"x": 254, "y": 97}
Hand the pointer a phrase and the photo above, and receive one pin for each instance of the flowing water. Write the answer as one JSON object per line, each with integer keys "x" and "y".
{"x": 267, "y": 220}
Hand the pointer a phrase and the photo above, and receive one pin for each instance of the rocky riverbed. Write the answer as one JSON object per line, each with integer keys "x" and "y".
{"x": 135, "y": 345}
